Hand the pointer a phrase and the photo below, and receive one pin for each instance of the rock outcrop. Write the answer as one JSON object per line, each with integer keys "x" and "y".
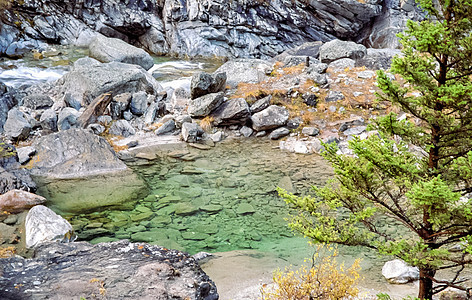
{"x": 117, "y": 270}
{"x": 221, "y": 28}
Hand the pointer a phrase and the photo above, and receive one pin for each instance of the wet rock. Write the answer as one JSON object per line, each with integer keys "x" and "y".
{"x": 67, "y": 118}
{"x": 245, "y": 208}
{"x": 121, "y": 128}
{"x": 245, "y": 70}
{"x": 191, "y": 132}
{"x": 96, "y": 108}
{"x": 261, "y": 104}
{"x": 231, "y": 112}
{"x": 203, "y": 84}
{"x": 73, "y": 153}
{"x": 43, "y": 225}
{"x": 106, "y": 50}
{"x": 279, "y": 133}
{"x": 48, "y": 120}
{"x": 167, "y": 127}
{"x": 204, "y": 105}
{"x": 272, "y": 117}
{"x": 16, "y": 126}
{"x": 38, "y": 101}
{"x": 16, "y": 201}
{"x": 398, "y": 272}
{"x": 139, "y": 271}
{"x": 337, "y": 49}
{"x": 89, "y": 79}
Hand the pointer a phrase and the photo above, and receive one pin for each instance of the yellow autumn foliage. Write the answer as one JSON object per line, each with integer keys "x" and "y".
{"x": 324, "y": 280}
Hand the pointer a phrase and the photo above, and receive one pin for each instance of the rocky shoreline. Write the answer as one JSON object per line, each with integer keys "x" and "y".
{"x": 299, "y": 84}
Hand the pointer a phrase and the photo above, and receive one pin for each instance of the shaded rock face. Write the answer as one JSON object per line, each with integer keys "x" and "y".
{"x": 249, "y": 28}
{"x": 122, "y": 269}
{"x": 12, "y": 176}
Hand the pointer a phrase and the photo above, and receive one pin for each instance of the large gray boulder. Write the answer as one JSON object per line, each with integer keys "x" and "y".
{"x": 89, "y": 79}
{"x": 337, "y": 49}
{"x": 73, "y": 153}
{"x": 43, "y": 225}
{"x": 245, "y": 70}
{"x": 232, "y": 112}
{"x": 125, "y": 270}
{"x": 106, "y": 50}
{"x": 272, "y": 117}
{"x": 398, "y": 272}
{"x": 203, "y": 83}
{"x": 204, "y": 105}
{"x": 16, "y": 126}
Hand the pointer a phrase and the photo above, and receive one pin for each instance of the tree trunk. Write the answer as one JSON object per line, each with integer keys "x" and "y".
{"x": 426, "y": 284}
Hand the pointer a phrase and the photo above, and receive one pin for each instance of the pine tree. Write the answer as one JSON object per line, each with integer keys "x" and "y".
{"x": 417, "y": 172}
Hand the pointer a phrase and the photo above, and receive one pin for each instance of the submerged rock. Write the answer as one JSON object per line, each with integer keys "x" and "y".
{"x": 117, "y": 269}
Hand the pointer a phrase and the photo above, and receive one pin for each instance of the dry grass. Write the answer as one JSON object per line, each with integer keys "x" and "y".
{"x": 7, "y": 252}
{"x": 207, "y": 123}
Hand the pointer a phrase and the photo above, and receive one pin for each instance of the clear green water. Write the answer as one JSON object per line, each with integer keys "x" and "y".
{"x": 210, "y": 200}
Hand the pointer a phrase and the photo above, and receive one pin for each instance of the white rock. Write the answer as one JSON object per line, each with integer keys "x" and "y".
{"x": 43, "y": 225}
{"x": 398, "y": 272}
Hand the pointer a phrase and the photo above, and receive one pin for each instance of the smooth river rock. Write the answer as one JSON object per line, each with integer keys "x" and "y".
{"x": 15, "y": 201}
{"x": 43, "y": 225}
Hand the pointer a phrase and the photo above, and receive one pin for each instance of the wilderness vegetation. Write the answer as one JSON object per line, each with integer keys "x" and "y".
{"x": 416, "y": 173}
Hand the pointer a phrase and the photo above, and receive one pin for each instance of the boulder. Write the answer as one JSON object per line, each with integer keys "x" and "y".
{"x": 106, "y": 50}
{"x": 48, "y": 120}
{"x": 38, "y": 101}
{"x": 245, "y": 70}
{"x": 73, "y": 153}
{"x": 139, "y": 103}
{"x": 376, "y": 59}
{"x": 204, "y": 105}
{"x": 15, "y": 179}
{"x": 191, "y": 132}
{"x": 310, "y": 49}
{"x": 231, "y": 112}
{"x": 337, "y": 49}
{"x": 167, "y": 127}
{"x": 67, "y": 118}
{"x": 119, "y": 104}
{"x": 89, "y": 79}
{"x": 94, "y": 110}
{"x": 279, "y": 133}
{"x": 15, "y": 201}
{"x": 398, "y": 272}
{"x": 203, "y": 84}
{"x": 272, "y": 117}
{"x": 121, "y": 128}
{"x": 82, "y": 270}
{"x": 16, "y": 126}
{"x": 246, "y": 131}
{"x": 43, "y": 225}
{"x": 311, "y": 131}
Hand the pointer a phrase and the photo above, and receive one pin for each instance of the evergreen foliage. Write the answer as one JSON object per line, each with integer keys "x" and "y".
{"x": 417, "y": 172}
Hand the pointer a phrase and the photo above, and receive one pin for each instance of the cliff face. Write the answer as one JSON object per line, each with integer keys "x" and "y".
{"x": 230, "y": 28}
